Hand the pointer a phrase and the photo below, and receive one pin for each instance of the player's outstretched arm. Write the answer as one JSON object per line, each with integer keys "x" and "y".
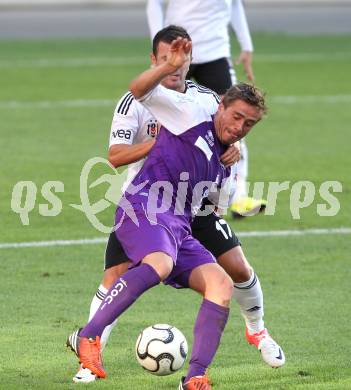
{"x": 119, "y": 155}
{"x": 178, "y": 54}
{"x": 242, "y": 32}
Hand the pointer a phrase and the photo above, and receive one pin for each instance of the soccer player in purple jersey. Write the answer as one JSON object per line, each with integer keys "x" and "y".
{"x": 188, "y": 148}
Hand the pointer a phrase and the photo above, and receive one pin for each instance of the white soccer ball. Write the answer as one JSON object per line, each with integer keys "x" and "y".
{"x": 161, "y": 349}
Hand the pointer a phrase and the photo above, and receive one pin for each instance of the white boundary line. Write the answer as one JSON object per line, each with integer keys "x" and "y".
{"x": 15, "y": 104}
{"x": 123, "y": 61}
{"x": 101, "y": 240}
{"x": 49, "y": 104}
{"x": 73, "y": 62}
{"x": 310, "y": 99}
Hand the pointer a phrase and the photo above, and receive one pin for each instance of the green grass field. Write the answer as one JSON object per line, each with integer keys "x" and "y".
{"x": 56, "y": 104}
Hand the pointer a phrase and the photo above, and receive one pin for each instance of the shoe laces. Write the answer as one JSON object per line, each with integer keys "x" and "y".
{"x": 200, "y": 382}
{"x": 94, "y": 349}
{"x": 269, "y": 344}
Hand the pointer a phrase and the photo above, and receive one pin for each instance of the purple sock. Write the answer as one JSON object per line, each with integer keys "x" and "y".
{"x": 209, "y": 326}
{"x": 123, "y": 293}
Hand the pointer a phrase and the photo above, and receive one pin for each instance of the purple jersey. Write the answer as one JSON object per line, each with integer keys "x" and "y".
{"x": 187, "y": 151}
{"x": 181, "y": 167}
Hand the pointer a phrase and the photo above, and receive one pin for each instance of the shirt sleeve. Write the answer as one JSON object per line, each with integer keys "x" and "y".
{"x": 125, "y": 124}
{"x": 155, "y": 17}
{"x": 213, "y": 102}
{"x": 175, "y": 111}
{"x": 240, "y": 26}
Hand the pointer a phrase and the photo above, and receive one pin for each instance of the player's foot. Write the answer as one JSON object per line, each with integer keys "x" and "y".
{"x": 88, "y": 352}
{"x": 84, "y": 375}
{"x": 196, "y": 383}
{"x": 246, "y": 206}
{"x": 271, "y": 352}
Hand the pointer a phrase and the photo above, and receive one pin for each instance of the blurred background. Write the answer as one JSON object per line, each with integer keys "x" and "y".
{"x": 123, "y": 18}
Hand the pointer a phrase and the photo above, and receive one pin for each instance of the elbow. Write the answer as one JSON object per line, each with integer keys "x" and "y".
{"x": 114, "y": 160}
{"x": 133, "y": 88}
{"x": 113, "y": 163}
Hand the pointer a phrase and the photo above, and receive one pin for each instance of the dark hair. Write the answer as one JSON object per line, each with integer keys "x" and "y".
{"x": 248, "y": 93}
{"x": 167, "y": 35}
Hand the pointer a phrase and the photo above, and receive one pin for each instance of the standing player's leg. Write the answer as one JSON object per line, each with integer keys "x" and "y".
{"x": 219, "y": 75}
{"x": 124, "y": 292}
{"x": 196, "y": 268}
{"x": 116, "y": 264}
{"x": 152, "y": 257}
{"x": 243, "y": 205}
{"x": 217, "y": 288}
{"x": 214, "y": 75}
{"x": 216, "y": 235}
{"x": 242, "y": 170}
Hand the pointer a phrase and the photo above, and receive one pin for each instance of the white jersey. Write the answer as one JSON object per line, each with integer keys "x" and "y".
{"x": 132, "y": 123}
{"x": 198, "y": 140}
{"x": 207, "y": 23}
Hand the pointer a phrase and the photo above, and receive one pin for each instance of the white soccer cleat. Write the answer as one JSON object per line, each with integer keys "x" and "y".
{"x": 84, "y": 375}
{"x": 271, "y": 352}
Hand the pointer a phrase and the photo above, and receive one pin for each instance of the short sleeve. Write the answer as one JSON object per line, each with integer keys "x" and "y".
{"x": 125, "y": 121}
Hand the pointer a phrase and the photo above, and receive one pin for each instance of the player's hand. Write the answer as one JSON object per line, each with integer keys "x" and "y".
{"x": 179, "y": 52}
{"x": 231, "y": 155}
{"x": 245, "y": 58}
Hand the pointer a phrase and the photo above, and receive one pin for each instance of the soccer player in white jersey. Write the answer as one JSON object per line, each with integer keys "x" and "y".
{"x": 133, "y": 132}
{"x": 207, "y": 23}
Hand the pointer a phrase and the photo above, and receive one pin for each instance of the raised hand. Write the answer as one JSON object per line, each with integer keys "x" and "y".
{"x": 179, "y": 52}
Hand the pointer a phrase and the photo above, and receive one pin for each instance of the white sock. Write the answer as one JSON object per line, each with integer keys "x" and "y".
{"x": 242, "y": 172}
{"x": 95, "y": 304}
{"x": 250, "y": 299}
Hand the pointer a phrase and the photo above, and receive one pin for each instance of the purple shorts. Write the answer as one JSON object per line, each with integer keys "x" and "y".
{"x": 170, "y": 234}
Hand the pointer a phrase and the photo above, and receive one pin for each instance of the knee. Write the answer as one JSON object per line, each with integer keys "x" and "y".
{"x": 113, "y": 273}
{"x": 227, "y": 288}
{"x": 161, "y": 263}
{"x": 164, "y": 269}
{"x": 236, "y": 265}
{"x": 221, "y": 290}
{"x": 242, "y": 273}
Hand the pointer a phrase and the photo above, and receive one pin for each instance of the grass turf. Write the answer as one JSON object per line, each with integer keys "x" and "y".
{"x": 46, "y": 291}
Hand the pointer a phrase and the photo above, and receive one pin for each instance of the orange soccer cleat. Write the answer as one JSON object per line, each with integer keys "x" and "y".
{"x": 196, "y": 383}
{"x": 88, "y": 351}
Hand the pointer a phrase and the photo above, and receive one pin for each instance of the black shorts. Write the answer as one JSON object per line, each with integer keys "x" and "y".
{"x": 212, "y": 231}
{"x": 214, "y": 234}
{"x": 217, "y": 75}
{"x": 114, "y": 254}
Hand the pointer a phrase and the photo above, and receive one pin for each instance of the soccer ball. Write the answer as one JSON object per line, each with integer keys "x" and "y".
{"x": 161, "y": 349}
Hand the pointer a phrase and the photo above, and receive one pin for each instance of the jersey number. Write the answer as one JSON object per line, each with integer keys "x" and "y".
{"x": 223, "y": 227}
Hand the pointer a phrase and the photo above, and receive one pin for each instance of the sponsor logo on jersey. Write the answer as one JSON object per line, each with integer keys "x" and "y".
{"x": 121, "y": 133}
{"x": 152, "y": 128}
{"x": 209, "y": 138}
{"x": 218, "y": 180}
